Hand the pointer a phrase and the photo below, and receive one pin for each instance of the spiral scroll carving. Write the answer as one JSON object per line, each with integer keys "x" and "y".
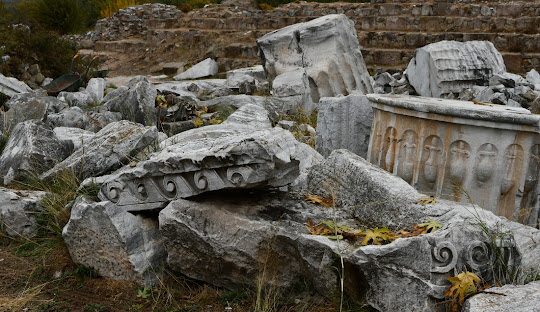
{"x": 201, "y": 182}
{"x": 445, "y": 257}
{"x": 478, "y": 255}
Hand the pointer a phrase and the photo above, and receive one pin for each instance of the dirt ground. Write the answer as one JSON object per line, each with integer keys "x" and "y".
{"x": 39, "y": 276}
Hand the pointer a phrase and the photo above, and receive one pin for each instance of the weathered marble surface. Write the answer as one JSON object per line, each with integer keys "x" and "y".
{"x": 326, "y": 48}
{"x": 11, "y": 86}
{"x": 418, "y": 266}
{"x": 450, "y": 66}
{"x": 242, "y": 152}
{"x": 31, "y": 149}
{"x": 491, "y": 152}
{"x": 206, "y": 68}
{"x": 115, "y": 243}
{"x": 110, "y": 148}
{"x": 344, "y": 122}
{"x": 18, "y": 210}
{"x": 515, "y": 298}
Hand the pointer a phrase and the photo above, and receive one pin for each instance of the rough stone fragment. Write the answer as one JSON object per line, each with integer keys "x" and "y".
{"x": 18, "y": 210}
{"x": 506, "y": 79}
{"x": 357, "y": 183}
{"x": 25, "y": 106}
{"x": 515, "y": 298}
{"x": 114, "y": 243}
{"x": 81, "y": 99}
{"x": 344, "y": 123}
{"x": 242, "y": 234}
{"x": 31, "y": 149}
{"x": 533, "y": 77}
{"x": 111, "y": 147}
{"x": 136, "y": 102}
{"x": 326, "y": 47}
{"x": 293, "y": 87}
{"x": 75, "y": 136}
{"x": 418, "y": 266}
{"x": 96, "y": 88}
{"x": 447, "y": 67}
{"x": 230, "y": 103}
{"x": 236, "y": 77}
{"x": 206, "y": 68}
{"x": 11, "y": 86}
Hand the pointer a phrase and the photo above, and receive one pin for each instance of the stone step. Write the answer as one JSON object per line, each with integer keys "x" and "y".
{"x": 177, "y": 34}
{"x": 123, "y": 46}
{"x": 524, "y": 25}
{"x": 510, "y": 42}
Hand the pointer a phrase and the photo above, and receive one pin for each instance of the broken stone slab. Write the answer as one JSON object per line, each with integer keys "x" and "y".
{"x": 326, "y": 47}
{"x": 112, "y": 147}
{"x": 115, "y": 243}
{"x": 248, "y": 117}
{"x": 516, "y": 298}
{"x": 206, "y": 68}
{"x": 245, "y": 234}
{"x": 344, "y": 123}
{"x": 237, "y": 76}
{"x": 11, "y": 86}
{"x": 136, "y": 102}
{"x": 18, "y": 210}
{"x": 419, "y": 265}
{"x": 31, "y": 149}
{"x": 75, "y": 136}
{"x": 228, "y": 104}
{"x": 378, "y": 196}
{"x": 242, "y": 152}
{"x": 263, "y": 158}
{"x": 443, "y": 68}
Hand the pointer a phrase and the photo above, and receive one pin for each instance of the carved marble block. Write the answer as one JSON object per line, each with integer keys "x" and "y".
{"x": 456, "y": 150}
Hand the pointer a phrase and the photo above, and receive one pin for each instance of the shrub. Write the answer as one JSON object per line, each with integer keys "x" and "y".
{"x": 63, "y": 16}
{"x": 26, "y": 47}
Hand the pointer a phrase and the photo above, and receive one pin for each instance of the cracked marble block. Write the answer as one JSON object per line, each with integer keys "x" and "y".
{"x": 455, "y": 149}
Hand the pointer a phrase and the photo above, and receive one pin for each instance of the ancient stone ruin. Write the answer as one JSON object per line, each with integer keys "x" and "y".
{"x": 204, "y": 177}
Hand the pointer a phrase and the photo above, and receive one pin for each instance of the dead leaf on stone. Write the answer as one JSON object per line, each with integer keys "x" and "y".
{"x": 426, "y": 201}
{"x": 317, "y": 200}
{"x": 480, "y": 103}
{"x": 465, "y": 283}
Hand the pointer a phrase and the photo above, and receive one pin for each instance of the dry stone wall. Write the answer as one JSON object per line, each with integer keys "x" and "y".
{"x": 388, "y": 30}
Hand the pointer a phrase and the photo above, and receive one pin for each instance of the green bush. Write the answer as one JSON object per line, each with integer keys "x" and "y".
{"x": 63, "y": 16}
{"x": 26, "y": 46}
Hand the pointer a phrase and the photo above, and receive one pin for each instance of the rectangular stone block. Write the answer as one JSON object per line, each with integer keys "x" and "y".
{"x": 455, "y": 149}
{"x": 344, "y": 123}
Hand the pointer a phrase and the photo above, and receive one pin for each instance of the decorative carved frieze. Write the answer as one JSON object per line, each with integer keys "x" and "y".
{"x": 453, "y": 148}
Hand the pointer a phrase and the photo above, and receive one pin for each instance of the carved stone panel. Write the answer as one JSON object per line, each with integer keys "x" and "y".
{"x": 408, "y": 149}
{"x": 458, "y": 155}
{"x": 431, "y": 164}
{"x": 460, "y": 151}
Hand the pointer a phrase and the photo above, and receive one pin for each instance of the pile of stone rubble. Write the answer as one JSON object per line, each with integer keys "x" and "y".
{"x": 213, "y": 201}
